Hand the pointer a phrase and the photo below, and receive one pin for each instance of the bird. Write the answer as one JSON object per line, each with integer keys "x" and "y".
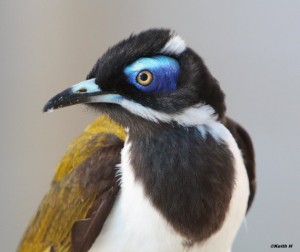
{"x": 163, "y": 168}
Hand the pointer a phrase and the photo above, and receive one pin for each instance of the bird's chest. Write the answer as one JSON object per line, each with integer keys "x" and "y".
{"x": 160, "y": 209}
{"x": 134, "y": 224}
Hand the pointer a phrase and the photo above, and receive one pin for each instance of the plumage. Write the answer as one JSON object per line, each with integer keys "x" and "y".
{"x": 245, "y": 144}
{"x": 77, "y": 185}
{"x": 182, "y": 176}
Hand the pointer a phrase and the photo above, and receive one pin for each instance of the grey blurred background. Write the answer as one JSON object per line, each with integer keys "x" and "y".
{"x": 251, "y": 47}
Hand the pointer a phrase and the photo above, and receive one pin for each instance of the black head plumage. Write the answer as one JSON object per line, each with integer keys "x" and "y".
{"x": 195, "y": 83}
{"x": 195, "y": 86}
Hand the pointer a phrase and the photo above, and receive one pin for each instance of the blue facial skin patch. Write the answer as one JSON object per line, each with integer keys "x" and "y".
{"x": 165, "y": 72}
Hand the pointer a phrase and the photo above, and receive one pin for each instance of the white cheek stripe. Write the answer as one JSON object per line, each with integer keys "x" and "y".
{"x": 175, "y": 45}
{"x": 196, "y": 115}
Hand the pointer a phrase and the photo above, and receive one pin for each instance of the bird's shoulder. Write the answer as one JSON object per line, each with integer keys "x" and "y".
{"x": 81, "y": 193}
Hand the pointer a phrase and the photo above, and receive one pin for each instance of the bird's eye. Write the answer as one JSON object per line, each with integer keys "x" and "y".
{"x": 144, "y": 77}
{"x": 157, "y": 74}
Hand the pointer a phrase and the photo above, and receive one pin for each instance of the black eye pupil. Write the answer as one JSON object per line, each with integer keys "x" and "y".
{"x": 143, "y": 76}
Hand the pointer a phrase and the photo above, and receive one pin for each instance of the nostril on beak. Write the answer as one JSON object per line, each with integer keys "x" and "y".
{"x": 81, "y": 90}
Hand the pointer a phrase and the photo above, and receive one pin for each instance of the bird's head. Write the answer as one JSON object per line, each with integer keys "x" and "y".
{"x": 152, "y": 76}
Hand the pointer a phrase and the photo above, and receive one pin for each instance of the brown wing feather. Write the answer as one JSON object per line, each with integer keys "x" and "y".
{"x": 85, "y": 231}
{"x": 84, "y": 191}
{"x": 245, "y": 144}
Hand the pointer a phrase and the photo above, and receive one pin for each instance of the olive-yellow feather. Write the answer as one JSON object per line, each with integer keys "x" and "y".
{"x": 74, "y": 189}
